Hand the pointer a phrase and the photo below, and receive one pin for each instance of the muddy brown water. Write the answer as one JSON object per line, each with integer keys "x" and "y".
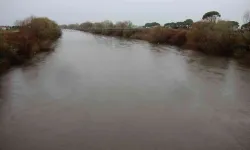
{"x": 104, "y": 93}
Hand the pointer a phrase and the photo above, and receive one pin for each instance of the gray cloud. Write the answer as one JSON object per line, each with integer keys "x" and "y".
{"x": 138, "y": 11}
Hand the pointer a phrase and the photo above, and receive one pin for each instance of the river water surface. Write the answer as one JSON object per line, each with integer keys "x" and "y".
{"x": 104, "y": 93}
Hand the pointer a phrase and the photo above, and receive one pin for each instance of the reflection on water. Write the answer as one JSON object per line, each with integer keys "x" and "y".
{"x": 105, "y": 93}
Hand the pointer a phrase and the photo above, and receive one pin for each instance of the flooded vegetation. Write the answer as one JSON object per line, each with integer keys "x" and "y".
{"x": 98, "y": 92}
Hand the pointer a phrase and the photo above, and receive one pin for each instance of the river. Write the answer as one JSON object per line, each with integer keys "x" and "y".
{"x": 104, "y": 93}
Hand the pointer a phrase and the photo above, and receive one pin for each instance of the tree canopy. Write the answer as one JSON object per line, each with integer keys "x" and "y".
{"x": 246, "y": 26}
{"x": 234, "y": 24}
{"x": 211, "y": 16}
{"x": 185, "y": 24}
{"x": 188, "y": 22}
{"x": 152, "y": 24}
{"x": 170, "y": 25}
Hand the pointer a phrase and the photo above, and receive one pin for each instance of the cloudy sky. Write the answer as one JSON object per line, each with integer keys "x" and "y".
{"x": 138, "y": 11}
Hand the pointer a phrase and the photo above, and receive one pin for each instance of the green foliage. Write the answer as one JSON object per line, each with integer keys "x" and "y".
{"x": 152, "y": 24}
{"x": 211, "y": 16}
{"x": 188, "y": 22}
{"x": 170, "y": 25}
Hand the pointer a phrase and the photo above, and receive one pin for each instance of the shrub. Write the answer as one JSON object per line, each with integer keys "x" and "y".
{"x": 107, "y": 32}
{"x": 128, "y": 33}
{"x": 161, "y": 35}
{"x": 246, "y": 37}
{"x": 213, "y": 38}
{"x": 117, "y": 32}
{"x": 3, "y": 44}
{"x": 42, "y": 27}
{"x": 179, "y": 38}
{"x": 141, "y": 35}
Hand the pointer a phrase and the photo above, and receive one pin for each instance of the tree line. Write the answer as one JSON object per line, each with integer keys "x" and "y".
{"x": 107, "y": 24}
{"x": 211, "y": 16}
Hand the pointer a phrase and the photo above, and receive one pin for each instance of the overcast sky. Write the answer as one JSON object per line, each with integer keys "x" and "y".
{"x": 138, "y": 11}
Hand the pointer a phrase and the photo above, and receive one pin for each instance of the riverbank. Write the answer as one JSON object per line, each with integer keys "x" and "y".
{"x": 125, "y": 95}
{"x": 210, "y": 38}
{"x": 35, "y": 35}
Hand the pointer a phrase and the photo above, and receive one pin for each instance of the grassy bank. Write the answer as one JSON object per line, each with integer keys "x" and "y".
{"x": 35, "y": 35}
{"x": 210, "y": 38}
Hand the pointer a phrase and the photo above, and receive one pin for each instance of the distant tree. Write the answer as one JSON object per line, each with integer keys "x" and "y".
{"x": 124, "y": 24}
{"x": 18, "y": 23}
{"x": 234, "y": 24}
{"x": 170, "y": 25}
{"x": 246, "y": 26}
{"x": 86, "y": 25}
{"x": 73, "y": 26}
{"x": 188, "y": 22}
{"x": 180, "y": 24}
{"x": 152, "y": 24}
{"x": 24, "y": 22}
{"x": 97, "y": 25}
{"x": 107, "y": 24}
{"x": 129, "y": 24}
{"x": 211, "y": 16}
{"x": 63, "y": 26}
{"x": 120, "y": 25}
